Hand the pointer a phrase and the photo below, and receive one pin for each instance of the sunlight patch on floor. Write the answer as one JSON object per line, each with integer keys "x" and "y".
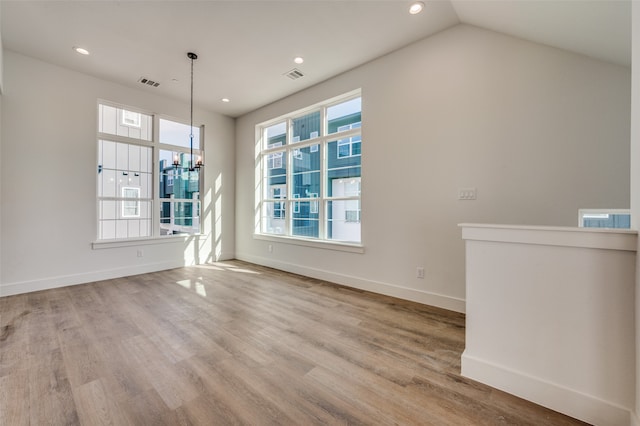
{"x": 185, "y": 283}
{"x": 221, "y": 266}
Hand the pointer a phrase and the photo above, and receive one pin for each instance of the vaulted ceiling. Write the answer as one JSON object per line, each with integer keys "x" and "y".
{"x": 245, "y": 48}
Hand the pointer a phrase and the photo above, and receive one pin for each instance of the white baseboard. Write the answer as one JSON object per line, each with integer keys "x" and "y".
{"x": 83, "y": 278}
{"x": 432, "y": 299}
{"x": 559, "y": 398}
{"x": 224, "y": 256}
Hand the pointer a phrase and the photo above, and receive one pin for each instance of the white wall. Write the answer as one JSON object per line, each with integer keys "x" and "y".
{"x": 1, "y": 61}
{"x": 1, "y": 85}
{"x": 539, "y": 132}
{"x": 48, "y": 175}
{"x": 635, "y": 179}
{"x": 1, "y": 236}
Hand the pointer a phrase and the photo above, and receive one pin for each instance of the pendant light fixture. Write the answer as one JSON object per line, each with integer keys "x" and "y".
{"x": 193, "y": 165}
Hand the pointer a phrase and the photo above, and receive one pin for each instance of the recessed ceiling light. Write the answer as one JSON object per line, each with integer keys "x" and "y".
{"x": 416, "y": 8}
{"x": 298, "y": 60}
{"x": 80, "y": 50}
{"x": 225, "y": 100}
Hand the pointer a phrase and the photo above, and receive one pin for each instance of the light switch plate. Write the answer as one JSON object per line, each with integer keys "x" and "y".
{"x": 467, "y": 194}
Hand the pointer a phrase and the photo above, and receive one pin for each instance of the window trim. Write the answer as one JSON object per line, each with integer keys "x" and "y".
{"x": 316, "y": 143}
{"x": 132, "y": 242}
{"x": 154, "y": 192}
{"x": 321, "y": 244}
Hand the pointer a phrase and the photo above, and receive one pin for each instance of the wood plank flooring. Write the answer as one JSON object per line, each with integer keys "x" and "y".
{"x": 232, "y": 343}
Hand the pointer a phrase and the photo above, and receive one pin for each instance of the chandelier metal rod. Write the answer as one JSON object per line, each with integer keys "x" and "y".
{"x": 192, "y": 165}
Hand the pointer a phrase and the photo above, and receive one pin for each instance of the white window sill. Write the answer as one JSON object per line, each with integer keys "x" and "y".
{"x": 321, "y": 244}
{"x": 130, "y": 242}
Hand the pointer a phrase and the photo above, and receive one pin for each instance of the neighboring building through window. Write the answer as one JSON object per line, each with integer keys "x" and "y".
{"x": 130, "y": 118}
{"x": 349, "y": 147}
{"x": 125, "y": 171}
{"x": 604, "y": 218}
{"x": 130, "y": 204}
{"x": 128, "y": 160}
{"x": 311, "y": 167}
{"x": 179, "y": 190}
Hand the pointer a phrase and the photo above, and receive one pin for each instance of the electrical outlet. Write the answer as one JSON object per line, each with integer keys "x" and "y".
{"x": 270, "y": 248}
{"x": 420, "y": 272}
{"x": 140, "y": 253}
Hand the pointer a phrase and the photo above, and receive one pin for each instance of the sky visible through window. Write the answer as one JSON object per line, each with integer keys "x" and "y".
{"x": 173, "y": 133}
{"x": 346, "y": 108}
{"x": 336, "y": 111}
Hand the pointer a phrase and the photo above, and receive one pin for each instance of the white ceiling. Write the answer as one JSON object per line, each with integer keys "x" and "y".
{"x": 245, "y": 47}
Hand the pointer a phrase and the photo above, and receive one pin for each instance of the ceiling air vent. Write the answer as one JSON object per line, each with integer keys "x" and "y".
{"x": 148, "y": 82}
{"x": 294, "y": 74}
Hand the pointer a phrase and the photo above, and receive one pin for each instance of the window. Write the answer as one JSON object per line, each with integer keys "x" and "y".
{"x": 275, "y": 160}
{"x": 296, "y": 204}
{"x": 129, "y": 204}
{"x": 352, "y": 215}
{"x": 349, "y": 147}
{"x": 604, "y": 218}
{"x": 310, "y": 165}
{"x": 124, "y": 190}
{"x": 278, "y": 207}
{"x": 174, "y": 133}
{"x": 130, "y": 118}
{"x": 179, "y": 189}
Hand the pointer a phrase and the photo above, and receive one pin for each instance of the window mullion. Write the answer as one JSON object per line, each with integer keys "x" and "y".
{"x": 322, "y": 226}
{"x": 288, "y": 223}
{"x": 155, "y": 205}
{"x": 124, "y": 139}
{"x": 262, "y": 187}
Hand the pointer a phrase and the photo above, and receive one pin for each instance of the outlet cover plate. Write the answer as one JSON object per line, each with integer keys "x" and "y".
{"x": 467, "y": 194}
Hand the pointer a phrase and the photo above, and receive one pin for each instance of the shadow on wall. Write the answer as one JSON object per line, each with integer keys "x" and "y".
{"x": 198, "y": 249}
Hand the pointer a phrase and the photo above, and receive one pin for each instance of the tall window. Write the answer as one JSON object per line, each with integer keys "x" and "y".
{"x": 129, "y": 158}
{"x": 179, "y": 190}
{"x": 310, "y": 172}
{"x": 125, "y": 171}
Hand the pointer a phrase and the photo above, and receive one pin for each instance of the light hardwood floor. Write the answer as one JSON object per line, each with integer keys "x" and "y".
{"x": 233, "y": 343}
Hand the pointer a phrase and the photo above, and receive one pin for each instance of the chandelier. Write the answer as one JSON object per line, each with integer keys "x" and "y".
{"x": 193, "y": 165}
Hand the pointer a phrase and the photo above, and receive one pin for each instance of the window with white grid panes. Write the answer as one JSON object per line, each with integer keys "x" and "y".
{"x": 311, "y": 159}
{"x": 125, "y": 190}
{"x": 132, "y": 165}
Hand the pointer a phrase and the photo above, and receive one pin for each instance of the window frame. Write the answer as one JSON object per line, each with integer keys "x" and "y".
{"x": 154, "y": 199}
{"x": 318, "y": 202}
